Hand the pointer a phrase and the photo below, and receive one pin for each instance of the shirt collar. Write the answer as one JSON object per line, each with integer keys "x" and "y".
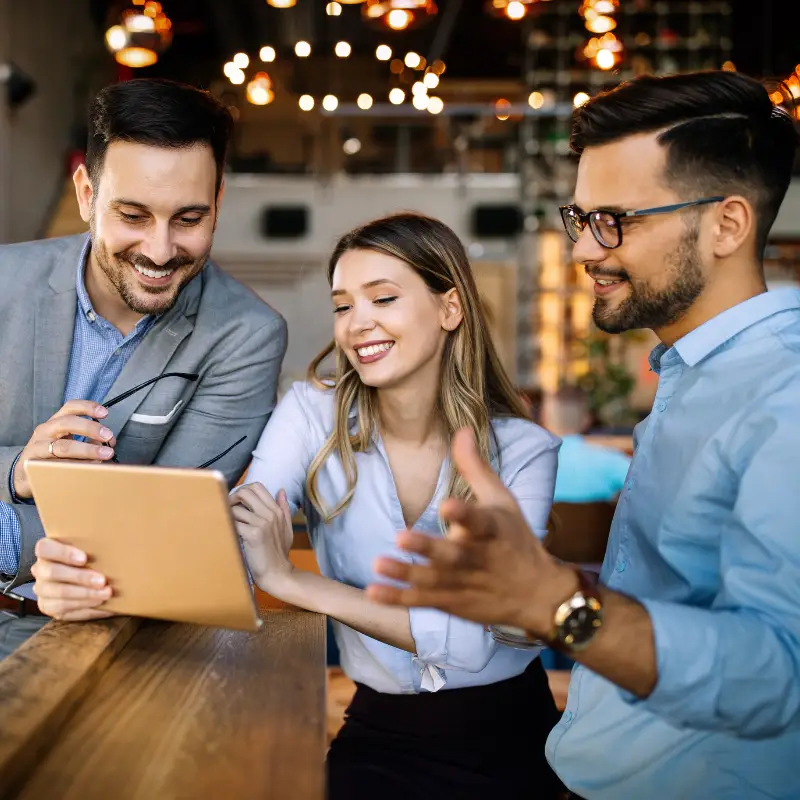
{"x": 84, "y": 303}
{"x": 710, "y": 336}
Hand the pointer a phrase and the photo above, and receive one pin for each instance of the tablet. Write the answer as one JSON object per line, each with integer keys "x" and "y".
{"x": 164, "y": 538}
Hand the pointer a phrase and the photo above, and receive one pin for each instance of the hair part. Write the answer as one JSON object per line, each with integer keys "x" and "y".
{"x": 157, "y": 113}
{"x": 474, "y": 385}
{"x": 721, "y": 133}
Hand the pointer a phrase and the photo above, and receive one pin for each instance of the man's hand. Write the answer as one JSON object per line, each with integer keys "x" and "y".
{"x": 65, "y": 587}
{"x": 491, "y": 568}
{"x": 71, "y": 420}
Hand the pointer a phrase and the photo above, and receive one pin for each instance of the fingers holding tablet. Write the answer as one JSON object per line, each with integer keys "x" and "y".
{"x": 65, "y": 587}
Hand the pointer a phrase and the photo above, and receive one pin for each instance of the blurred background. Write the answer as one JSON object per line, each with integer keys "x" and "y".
{"x": 347, "y": 110}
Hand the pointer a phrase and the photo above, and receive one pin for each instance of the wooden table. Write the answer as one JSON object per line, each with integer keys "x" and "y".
{"x": 126, "y": 708}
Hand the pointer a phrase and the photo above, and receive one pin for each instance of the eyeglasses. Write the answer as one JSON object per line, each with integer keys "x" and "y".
{"x": 189, "y": 376}
{"x": 606, "y": 226}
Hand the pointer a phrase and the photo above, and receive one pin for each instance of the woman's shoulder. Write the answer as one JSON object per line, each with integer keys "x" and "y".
{"x": 520, "y": 439}
{"x": 315, "y": 402}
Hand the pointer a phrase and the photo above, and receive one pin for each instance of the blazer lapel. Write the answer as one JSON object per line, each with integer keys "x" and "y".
{"x": 152, "y": 356}
{"x": 53, "y": 330}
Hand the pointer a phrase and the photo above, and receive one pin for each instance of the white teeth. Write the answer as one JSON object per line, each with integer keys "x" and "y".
{"x": 154, "y": 273}
{"x": 373, "y": 349}
{"x": 606, "y": 283}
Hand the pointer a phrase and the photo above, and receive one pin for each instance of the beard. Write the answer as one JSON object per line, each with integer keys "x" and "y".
{"x": 645, "y": 307}
{"x": 141, "y": 299}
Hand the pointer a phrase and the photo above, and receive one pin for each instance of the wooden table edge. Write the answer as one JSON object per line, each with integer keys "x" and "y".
{"x": 43, "y": 682}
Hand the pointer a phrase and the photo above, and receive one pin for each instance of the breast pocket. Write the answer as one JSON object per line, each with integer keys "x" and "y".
{"x": 149, "y": 419}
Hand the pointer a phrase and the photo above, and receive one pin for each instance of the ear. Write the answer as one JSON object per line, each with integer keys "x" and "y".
{"x": 84, "y": 192}
{"x": 735, "y": 226}
{"x": 221, "y": 193}
{"x": 452, "y": 311}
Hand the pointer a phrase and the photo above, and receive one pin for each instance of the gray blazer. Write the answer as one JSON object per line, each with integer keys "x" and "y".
{"x": 218, "y": 329}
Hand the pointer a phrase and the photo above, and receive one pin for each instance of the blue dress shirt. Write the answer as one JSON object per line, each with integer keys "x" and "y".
{"x": 451, "y": 652}
{"x": 99, "y": 353}
{"x": 707, "y": 537}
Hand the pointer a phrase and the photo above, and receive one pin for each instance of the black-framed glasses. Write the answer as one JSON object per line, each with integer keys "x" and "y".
{"x": 189, "y": 376}
{"x": 606, "y": 225}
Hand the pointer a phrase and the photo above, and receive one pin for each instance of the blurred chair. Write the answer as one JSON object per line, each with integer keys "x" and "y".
{"x": 580, "y": 533}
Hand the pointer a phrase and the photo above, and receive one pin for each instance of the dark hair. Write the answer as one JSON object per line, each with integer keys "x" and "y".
{"x": 158, "y": 113}
{"x": 722, "y": 134}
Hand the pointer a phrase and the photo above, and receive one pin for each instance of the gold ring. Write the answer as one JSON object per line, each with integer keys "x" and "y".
{"x": 50, "y": 448}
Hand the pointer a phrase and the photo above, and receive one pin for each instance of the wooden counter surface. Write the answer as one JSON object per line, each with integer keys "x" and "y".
{"x": 128, "y": 708}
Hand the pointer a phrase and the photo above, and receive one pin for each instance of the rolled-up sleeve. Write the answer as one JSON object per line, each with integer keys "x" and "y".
{"x": 735, "y": 666}
{"x": 528, "y": 463}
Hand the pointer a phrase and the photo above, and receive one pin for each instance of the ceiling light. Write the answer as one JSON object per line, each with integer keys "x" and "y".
{"x": 351, "y": 146}
{"x": 140, "y": 37}
{"x": 281, "y": 3}
{"x": 342, "y": 49}
{"x": 364, "y": 101}
{"x": 267, "y": 53}
{"x": 306, "y": 102}
{"x": 580, "y": 99}
{"x": 431, "y": 80}
{"x": 412, "y": 60}
{"x": 398, "y": 15}
{"x": 302, "y": 49}
{"x": 383, "y": 52}
{"x": 515, "y": 10}
{"x": 435, "y": 105}
{"x": 420, "y": 101}
{"x": 333, "y": 9}
{"x": 236, "y": 76}
{"x": 330, "y": 102}
{"x": 396, "y": 96}
{"x": 536, "y": 100}
{"x": 502, "y": 110}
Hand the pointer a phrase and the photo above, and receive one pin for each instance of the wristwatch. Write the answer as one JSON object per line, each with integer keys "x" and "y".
{"x": 578, "y": 618}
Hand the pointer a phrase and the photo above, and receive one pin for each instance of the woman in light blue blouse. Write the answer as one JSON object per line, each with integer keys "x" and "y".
{"x": 441, "y": 709}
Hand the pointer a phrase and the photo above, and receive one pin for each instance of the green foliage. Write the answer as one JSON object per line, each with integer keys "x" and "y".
{"x": 609, "y": 383}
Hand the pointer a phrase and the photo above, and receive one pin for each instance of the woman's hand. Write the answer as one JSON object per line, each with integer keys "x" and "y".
{"x": 265, "y": 528}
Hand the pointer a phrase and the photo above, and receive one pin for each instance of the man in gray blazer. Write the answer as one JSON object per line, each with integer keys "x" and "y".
{"x": 86, "y": 319}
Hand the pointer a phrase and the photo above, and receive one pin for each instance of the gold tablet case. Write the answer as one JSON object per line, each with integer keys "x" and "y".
{"x": 163, "y": 537}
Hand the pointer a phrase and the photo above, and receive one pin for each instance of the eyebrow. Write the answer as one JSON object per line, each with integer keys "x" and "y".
{"x": 197, "y": 208}
{"x": 606, "y": 207}
{"x": 367, "y": 285}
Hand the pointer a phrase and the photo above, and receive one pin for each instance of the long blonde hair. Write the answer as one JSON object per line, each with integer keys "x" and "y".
{"x": 474, "y": 385}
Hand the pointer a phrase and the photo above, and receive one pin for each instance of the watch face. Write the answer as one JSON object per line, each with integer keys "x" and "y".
{"x": 579, "y": 627}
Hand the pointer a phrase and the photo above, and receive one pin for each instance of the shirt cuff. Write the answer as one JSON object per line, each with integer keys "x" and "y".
{"x": 11, "y": 491}
{"x": 686, "y": 648}
{"x": 429, "y": 634}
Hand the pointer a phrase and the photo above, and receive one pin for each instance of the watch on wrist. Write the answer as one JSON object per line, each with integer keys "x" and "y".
{"x": 578, "y": 618}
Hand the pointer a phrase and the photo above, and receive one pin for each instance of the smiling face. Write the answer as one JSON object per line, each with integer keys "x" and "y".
{"x": 660, "y": 269}
{"x": 388, "y": 323}
{"x": 151, "y": 214}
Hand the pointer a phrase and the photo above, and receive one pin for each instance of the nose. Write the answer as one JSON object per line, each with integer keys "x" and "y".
{"x": 361, "y": 320}
{"x": 587, "y": 249}
{"x": 158, "y": 244}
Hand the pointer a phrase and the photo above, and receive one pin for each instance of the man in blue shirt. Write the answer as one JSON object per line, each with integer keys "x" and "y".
{"x": 688, "y": 683}
{"x": 134, "y": 316}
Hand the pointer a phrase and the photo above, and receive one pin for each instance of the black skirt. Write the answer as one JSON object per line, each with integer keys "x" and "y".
{"x": 477, "y": 743}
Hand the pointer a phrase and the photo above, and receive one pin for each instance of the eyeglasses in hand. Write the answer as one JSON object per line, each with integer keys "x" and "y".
{"x": 189, "y": 376}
